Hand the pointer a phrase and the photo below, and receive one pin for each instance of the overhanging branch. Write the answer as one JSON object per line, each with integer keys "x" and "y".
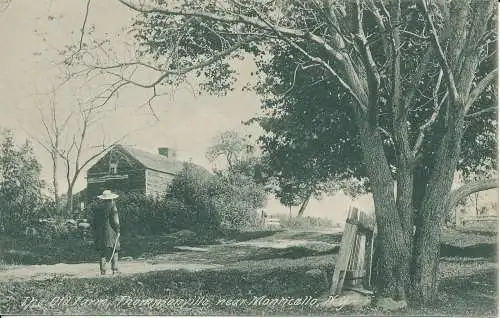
{"x": 185, "y": 70}
{"x": 360, "y": 97}
{"x": 235, "y": 18}
{"x": 470, "y": 188}
{"x": 124, "y": 81}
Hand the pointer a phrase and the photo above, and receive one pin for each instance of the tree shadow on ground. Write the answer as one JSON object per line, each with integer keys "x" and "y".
{"x": 74, "y": 250}
{"x": 483, "y": 250}
{"x": 249, "y": 235}
{"x": 292, "y": 252}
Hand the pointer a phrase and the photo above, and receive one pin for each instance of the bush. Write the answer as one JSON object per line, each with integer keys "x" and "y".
{"x": 235, "y": 199}
{"x": 139, "y": 214}
{"x": 189, "y": 198}
{"x": 198, "y": 199}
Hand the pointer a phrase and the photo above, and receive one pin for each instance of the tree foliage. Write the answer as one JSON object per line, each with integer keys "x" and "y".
{"x": 20, "y": 184}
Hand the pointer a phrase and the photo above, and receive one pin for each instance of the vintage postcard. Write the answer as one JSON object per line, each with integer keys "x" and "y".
{"x": 249, "y": 158}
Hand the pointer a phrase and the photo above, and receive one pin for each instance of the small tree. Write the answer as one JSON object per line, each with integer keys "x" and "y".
{"x": 230, "y": 146}
{"x": 65, "y": 137}
{"x": 20, "y": 184}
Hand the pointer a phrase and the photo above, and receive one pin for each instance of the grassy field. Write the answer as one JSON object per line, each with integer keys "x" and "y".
{"x": 248, "y": 270}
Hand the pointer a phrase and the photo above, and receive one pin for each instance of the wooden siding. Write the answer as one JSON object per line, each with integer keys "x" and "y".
{"x": 129, "y": 177}
{"x": 157, "y": 182}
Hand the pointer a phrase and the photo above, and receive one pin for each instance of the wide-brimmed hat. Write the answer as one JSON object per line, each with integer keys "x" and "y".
{"x": 107, "y": 195}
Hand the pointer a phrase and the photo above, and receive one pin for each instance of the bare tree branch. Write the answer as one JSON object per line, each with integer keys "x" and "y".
{"x": 417, "y": 77}
{"x": 361, "y": 102}
{"x": 360, "y": 96}
{"x": 239, "y": 18}
{"x": 235, "y": 18}
{"x": 481, "y": 112}
{"x": 441, "y": 55}
{"x": 437, "y": 106}
{"x": 293, "y": 82}
{"x": 414, "y": 35}
{"x": 178, "y": 72}
{"x": 82, "y": 33}
{"x": 480, "y": 87}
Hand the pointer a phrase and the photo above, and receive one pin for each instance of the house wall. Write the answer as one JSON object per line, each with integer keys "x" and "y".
{"x": 129, "y": 176}
{"x": 157, "y": 182}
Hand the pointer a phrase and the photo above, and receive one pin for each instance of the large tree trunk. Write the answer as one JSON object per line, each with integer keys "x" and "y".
{"x": 433, "y": 208}
{"x": 467, "y": 24}
{"x": 393, "y": 253}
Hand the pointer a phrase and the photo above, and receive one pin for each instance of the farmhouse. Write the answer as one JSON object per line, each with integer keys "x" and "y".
{"x": 127, "y": 169}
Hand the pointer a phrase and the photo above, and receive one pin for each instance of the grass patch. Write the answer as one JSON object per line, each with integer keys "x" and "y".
{"x": 462, "y": 296}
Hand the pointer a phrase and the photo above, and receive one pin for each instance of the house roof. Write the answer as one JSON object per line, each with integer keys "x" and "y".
{"x": 154, "y": 161}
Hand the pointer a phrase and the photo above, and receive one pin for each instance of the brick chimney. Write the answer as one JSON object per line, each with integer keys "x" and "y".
{"x": 167, "y": 152}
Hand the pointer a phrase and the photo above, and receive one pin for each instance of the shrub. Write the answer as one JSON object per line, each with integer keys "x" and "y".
{"x": 235, "y": 199}
{"x": 139, "y": 214}
{"x": 190, "y": 198}
{"x": 199, "y": 199}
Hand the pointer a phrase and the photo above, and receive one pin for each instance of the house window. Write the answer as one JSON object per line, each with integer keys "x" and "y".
{"x": 113, "y": 167}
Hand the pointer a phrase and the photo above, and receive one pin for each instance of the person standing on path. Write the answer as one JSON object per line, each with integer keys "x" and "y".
{"x": 106, "y": 226}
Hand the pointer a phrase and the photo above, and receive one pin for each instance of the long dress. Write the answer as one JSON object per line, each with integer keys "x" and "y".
{"x": 106, "y": 227}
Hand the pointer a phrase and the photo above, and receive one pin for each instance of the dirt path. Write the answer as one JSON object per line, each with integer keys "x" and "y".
{"x": 87, "y": 270}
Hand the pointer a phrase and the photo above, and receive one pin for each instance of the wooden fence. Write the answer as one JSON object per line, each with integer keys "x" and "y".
{"x": 355, "y": 258}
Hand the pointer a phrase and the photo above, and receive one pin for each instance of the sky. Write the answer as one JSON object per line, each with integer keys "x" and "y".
{"x": 31, "y": 34}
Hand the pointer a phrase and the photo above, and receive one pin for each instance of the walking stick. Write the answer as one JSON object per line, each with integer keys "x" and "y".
{"x": 114, "y": 249}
